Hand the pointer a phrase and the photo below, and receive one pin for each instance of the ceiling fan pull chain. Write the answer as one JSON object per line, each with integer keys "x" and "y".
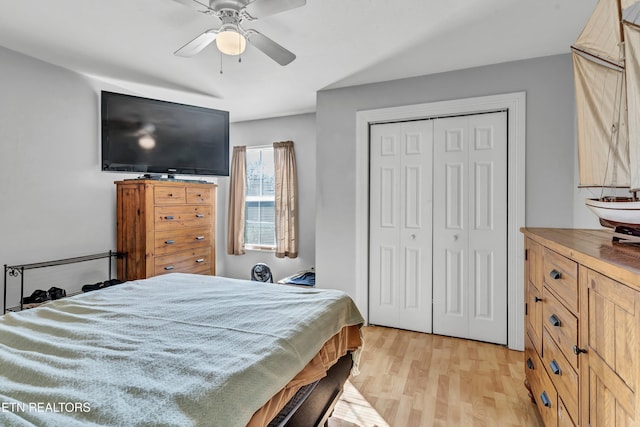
{"x": 221, "y": 63}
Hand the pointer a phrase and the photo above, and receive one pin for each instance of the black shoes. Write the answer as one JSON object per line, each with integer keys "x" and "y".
{"x": 57, "y": 293}
{"x": 100, "y": 285}
{"x": 39, "y": 297}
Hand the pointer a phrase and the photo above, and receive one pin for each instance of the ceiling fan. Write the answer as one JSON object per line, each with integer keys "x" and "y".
{"x": 231, "y": 37}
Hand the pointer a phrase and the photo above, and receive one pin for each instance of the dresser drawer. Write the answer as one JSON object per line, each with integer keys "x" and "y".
{"x": 196, "y": 261}
{"x": 543, "y": 391}
{"x": 168, "y": 195}
{"x": 561, "y": 275}
{"x": 562, "y": 374}
{"x": 198, "y": 195}
{"x": 170, "y": 241}
{"x": 173, "y": 217}
{"x": 532, "y": 363}
{"x": 561, "y": 325}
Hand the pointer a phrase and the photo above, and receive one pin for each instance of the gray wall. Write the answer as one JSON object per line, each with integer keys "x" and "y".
{"x": 55, "y": 202}
{"x": 301, "y": 130}
{"x": 548, "y": 83}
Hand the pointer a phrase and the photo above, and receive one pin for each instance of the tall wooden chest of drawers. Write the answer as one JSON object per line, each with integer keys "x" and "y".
{"x": 165, "y": 226}
{"x": 582, "y": 327}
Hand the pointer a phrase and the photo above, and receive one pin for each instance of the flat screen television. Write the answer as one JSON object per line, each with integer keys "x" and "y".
{"x": 150, "y": 136}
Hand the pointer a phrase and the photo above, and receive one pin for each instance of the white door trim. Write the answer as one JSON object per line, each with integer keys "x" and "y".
{"x": 515, "y": 104}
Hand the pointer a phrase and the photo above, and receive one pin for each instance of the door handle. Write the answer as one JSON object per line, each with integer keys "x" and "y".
{"x": 577, "y": 350}
{"x": 553, "y": 319}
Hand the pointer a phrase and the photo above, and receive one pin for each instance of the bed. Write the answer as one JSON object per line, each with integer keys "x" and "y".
{"x": 176, "y": 350}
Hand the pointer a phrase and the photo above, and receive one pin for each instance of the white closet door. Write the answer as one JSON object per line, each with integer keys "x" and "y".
{"x": 400, "y": 256}
{"x": 470, "y": 227}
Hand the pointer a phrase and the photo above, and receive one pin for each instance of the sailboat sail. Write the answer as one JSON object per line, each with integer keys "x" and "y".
{"x": 602, "y": 160}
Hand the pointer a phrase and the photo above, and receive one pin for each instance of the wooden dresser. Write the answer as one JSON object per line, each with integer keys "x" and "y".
{"x": 165, "y": 226}
{"x": 582, "y": 320}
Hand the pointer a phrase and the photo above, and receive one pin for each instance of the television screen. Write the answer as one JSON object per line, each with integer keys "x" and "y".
{"x": 144, "y": 135}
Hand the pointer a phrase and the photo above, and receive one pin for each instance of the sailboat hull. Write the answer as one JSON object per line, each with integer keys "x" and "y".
{"x": 621, "y": 211}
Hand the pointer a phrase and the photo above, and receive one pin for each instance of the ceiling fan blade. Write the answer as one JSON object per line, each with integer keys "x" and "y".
{"x": 196, "y": 45}
{"x": 270, "y": 48}
{"x": 262, "y": 8}
{"x": 201, "y": 5}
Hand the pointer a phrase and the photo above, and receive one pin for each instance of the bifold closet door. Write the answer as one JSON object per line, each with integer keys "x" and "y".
{"x": 470, "y": 227}
{"x": 400, "y": 255}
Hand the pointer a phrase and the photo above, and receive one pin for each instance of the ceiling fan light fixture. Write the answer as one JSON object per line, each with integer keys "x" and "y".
{"x": 231, "y": 42}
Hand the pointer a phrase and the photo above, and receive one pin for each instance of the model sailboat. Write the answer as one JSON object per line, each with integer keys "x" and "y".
{"x": 606, "y": 60}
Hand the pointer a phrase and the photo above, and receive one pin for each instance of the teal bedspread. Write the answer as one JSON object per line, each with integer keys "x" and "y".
{"x": 173, "y": 350}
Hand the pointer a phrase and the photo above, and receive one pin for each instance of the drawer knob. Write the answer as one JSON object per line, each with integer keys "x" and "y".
{"x": 545, "y": 399}
{"x": 169, "y": 267}
{"x": 169, "y": 217}
{"x": 530, "y": 364}
{"x": 555, "y": 368}
{"x": 169, "y": 242}
{"x": 170, "y": 194}
{"x": 555, "y": 274}
{"x": 577, "y": 350}
{"x": 200, "y": 260}
{"x": 553, "y": 319}
{"x": 199, "y": 237}
{"x": 537, "y": 299}
{"x": 199, "y": 215}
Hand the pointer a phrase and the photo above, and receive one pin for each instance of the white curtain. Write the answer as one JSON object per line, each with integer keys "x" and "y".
{"x": 286, "y": 200}
{"x": 237, "y": 196}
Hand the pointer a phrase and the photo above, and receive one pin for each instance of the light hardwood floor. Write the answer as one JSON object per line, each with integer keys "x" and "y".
{"x": 415, "y": 379}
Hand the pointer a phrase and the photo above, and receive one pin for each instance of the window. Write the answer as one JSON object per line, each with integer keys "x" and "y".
{"x": 259, "y": 231}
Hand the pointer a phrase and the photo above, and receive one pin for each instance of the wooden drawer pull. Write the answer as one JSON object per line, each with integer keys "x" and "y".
{"x": 530, "y": 364}
{"x": 199, "y": 215}
{"x": 553, "y": 319}
{"x": 169, "y": 217}
{"x": 199, "y": 237}
{"x": 169, "y": 242}
{"x": 169, "y": 267}
{"x": 577, "y": 350}
{"x": 545, "y": 399}
{"x": 555, "y": 274}
{"x": 200, "y": 260}
{"x": 555, "y": 368}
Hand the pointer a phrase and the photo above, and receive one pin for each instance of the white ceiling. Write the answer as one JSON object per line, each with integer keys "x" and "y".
{"x": 130, "y": 43}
